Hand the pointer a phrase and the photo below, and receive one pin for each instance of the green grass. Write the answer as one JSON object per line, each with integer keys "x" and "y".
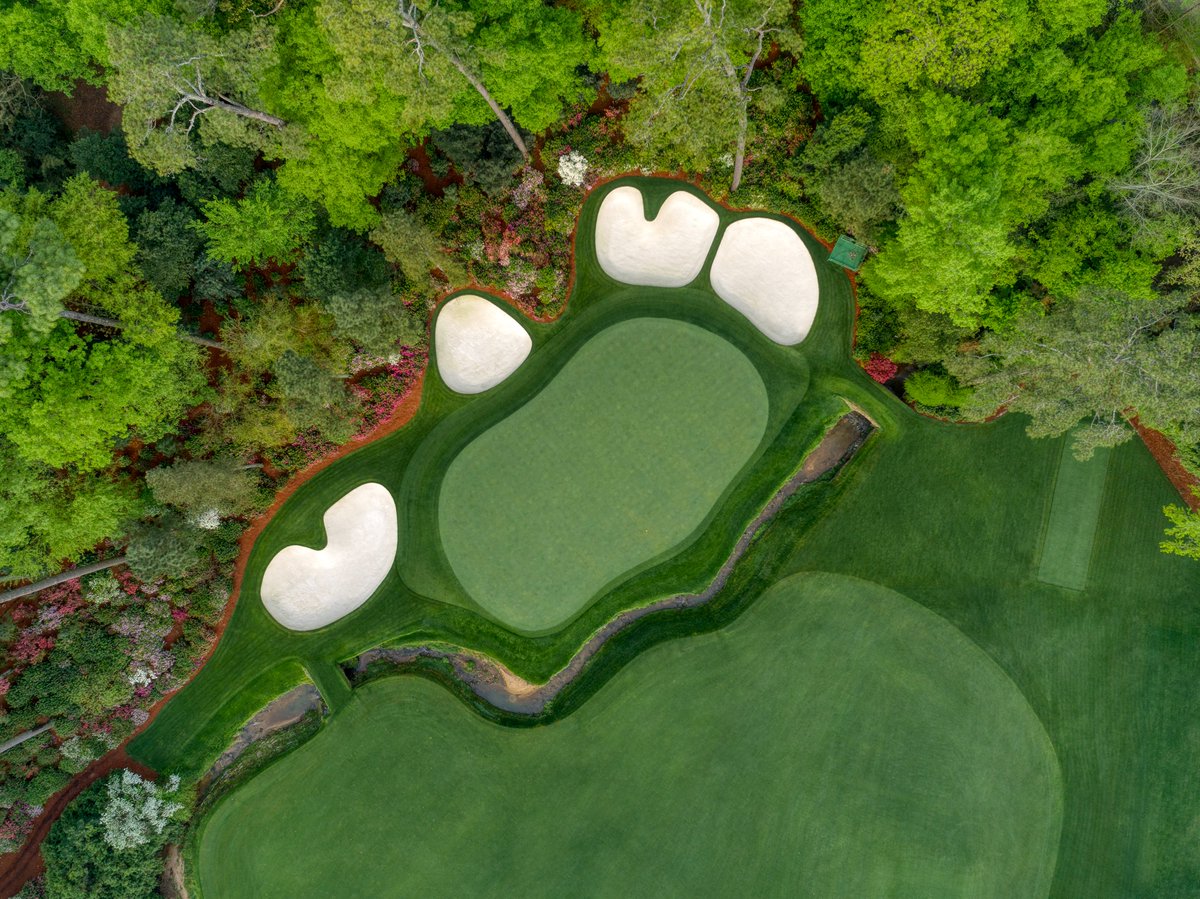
{"x": 949, "y": 516}
{"x": 423, "y": 599}
{"x": 1066, "y": 551}
{"x": 838, "y": 740}
{"x": 634, "y": 441}
{"x": 952, "y": 516}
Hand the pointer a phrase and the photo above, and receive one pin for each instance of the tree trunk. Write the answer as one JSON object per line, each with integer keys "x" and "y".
{"x": 27, "y": 735}
{"x": 92, "y": 568}
{"x": 245, "y": 111}
{"x": 477, "y": 84}
{"x": 120, "y": 326}
{"x": 508, "y": 124}
{"x": 740, "y": 156}
{"x": 743, "y": 102}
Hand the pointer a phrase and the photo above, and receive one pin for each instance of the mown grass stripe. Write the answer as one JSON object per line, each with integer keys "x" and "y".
{"x": 1066, "y": 551}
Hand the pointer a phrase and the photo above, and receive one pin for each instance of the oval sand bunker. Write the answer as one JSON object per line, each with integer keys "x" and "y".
{"x": 478, "y": 344}
{"x": 304, "y": 589}
{"x": 667, "y": 252}
{"x": 764, "y": 271}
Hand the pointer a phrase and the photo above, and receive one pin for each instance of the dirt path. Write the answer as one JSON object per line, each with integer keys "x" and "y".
{"x": 27, "y": 863}
{"x": 172, "y": 885}
{"x": 497, "y": 685}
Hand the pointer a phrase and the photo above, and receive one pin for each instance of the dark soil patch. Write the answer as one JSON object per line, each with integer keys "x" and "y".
{"x": 421, "y": 166}
{"x": 282, "y": 712}
{"x": 87, "y": 107}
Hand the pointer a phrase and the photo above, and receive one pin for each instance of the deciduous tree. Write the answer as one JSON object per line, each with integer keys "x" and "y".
{"x": 1100, "y": 358}
{"x": 171, "y": 77}
{"x": 52, "y": 516}
{"x": 1183, "y": 536}
{"x": 695, "y": 59}
{"x": 267, "y": 224}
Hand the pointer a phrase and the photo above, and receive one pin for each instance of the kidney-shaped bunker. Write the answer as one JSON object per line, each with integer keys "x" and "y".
{"x": 305, "y": 588}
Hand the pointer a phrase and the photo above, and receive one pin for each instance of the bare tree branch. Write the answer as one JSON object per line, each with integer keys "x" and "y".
{"x": 410, "y": 18}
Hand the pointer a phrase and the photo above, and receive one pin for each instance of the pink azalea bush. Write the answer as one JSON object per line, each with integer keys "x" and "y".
{"x": 881, "y": 368}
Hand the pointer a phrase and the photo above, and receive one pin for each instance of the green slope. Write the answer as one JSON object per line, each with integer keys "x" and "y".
{"x": 837, "y": 741}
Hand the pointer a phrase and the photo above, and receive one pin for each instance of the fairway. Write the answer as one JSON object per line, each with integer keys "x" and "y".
{"x": 838, "y": 740}
{"x": 620, "y": 458}
{"x": 1067, "y": 543}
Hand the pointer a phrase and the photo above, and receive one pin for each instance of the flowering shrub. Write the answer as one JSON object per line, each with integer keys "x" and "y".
{"x": 137, "y": 809}
{"x": 380, "y": 395}
{"x": 530, "y": 188}
{"x": 31, "y": 647}
{"x": 17, "y": 824}
{"x": 208, "y": 519}
{"x": 572, "y": 168}
{"x": 77, "y": 751}
{"x": 881, "y": 368}
{"x": 102, "y": 589}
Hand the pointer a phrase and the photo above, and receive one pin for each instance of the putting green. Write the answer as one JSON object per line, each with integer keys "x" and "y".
{"x": 620, "y": 458}
{"x": 838, "y": 740}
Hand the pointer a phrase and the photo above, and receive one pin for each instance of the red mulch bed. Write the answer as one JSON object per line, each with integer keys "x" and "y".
{"x": 1167, "y": 457}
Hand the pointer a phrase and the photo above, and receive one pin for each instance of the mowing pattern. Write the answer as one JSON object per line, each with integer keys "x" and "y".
{"x": 622, "y": 456}
{"x": 1074, "y": 514}
{"x": 838, "y": 740}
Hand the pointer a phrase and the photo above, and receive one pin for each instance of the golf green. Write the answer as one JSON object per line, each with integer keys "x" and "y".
{"x": 621, "y": 457}
{"x": 837, "y": 740}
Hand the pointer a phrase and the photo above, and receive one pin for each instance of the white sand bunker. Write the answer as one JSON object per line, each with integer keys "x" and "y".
{"x": 667, "y": 252}
{"x": 764, "y": 270}
{"x": 305, "y": 589}
{"x": 478, "y": 344}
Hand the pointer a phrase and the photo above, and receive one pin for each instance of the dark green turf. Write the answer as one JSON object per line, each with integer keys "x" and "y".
{"x": 1066, "y": 552}
{"x": 838, "y": 740}
{"x": 634, "y": 441}
{"x": 423, "y": 599}
{"x": 951, "y": 516}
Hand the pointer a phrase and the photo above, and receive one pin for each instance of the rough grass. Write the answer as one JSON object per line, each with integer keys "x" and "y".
{"x": 837, "y": 740}
{"x": 632, "y": 444}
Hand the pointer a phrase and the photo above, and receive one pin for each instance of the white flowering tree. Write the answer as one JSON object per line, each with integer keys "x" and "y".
{"x": 137, "y": 810}
{"x": 573, "y": 168}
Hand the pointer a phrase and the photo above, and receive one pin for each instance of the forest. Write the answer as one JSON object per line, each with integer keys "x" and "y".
{"x": 232, "y": 278}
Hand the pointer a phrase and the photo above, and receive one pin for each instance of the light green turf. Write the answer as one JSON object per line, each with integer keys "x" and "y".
{"x": 837, "y": 741}
{"x": 1066, "y": 552}
{"x": 627, "y": 451}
